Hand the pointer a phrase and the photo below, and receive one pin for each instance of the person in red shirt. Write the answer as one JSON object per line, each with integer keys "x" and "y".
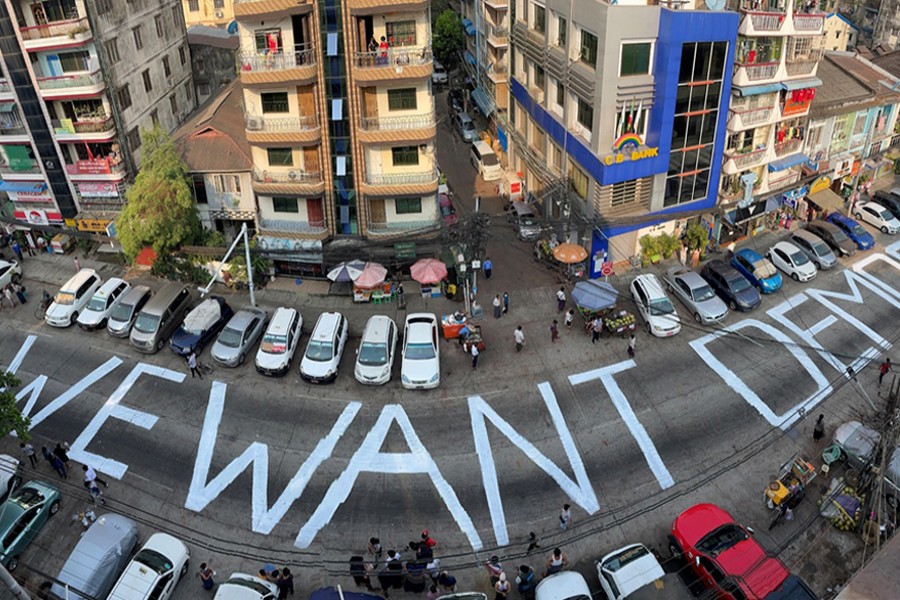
{"x": 882, "y": 371}
{"x": 427, "y": 541}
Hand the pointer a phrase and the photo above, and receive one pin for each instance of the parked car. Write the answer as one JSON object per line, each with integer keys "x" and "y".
{"x": 241, "y": 586}
{"x": 857, "y": 442}
{"x": 123, "y": 315}
{"x": 160, "y": 317}
{"x": 102, "y": 304}
{"x": 238, "y": 337}
{"x": 862, "y": 238}
{"x": 875, "y": 214}
{"x": 655, "y": 306}
{"x": 466, "y": 127}
{"x": 455, "y": 100}
{"x": 815, "y": 248}
{"x": 22, "y": 516}
{"x": 10, "y": 272}
{"x": 728, "y": 560}
{"x": 97, "y": 560}
{"x": 526, "y": 223}
{"x": 731, "y": 286}
{"x": 695, "y": 294}
{"x": 200, "y": 326}
{"x": 448, "y": 213}
{"x": 634, "y": 572}
{"x": 835, "y": 237}
{"x": 793, "y": 261}
{"x": 889, "y": 200}
{"x": 375, "y": 355}
{"x": 420, "y": 366}
{"x": 758, "y": 270}
{"x": 325, "y": 347}
{"x": 567, "y": 585}
{"x": 9, "y": 473}
{"x": 439, "y": 75}
{"x": 279, "y": 342}
{"x": 154, "y": 571}
{"x": 72, "y": 298}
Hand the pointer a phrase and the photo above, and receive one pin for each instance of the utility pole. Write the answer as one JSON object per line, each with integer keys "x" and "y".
{"x": 865, "y": 153}
{"x": 12, "y": 585}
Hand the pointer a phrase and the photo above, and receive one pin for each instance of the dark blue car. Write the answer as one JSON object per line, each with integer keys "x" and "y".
{"x": 200, "y": 326}
{"x": 862, "y": 238}
{"x": 731, "y": 286}
{"x": 758, "y": 270}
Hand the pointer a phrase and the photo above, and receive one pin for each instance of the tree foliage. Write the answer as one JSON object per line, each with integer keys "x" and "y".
{"x": 447, "y": 38}
{"x": 160, "y": 209}
{"x": 11, "y": 418}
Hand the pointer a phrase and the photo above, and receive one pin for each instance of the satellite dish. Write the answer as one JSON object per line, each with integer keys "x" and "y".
{"x": 232, "y": 27}
{"x": 715, "y": 4}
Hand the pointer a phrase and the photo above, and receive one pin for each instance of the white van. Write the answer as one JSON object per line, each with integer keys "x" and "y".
{"x": 72, "y": 298}
{"x": 104, "y": 302}
{"x": 279, "y": 342}
{"x": 485, "y": 161}
{"x": 326, "y": 345}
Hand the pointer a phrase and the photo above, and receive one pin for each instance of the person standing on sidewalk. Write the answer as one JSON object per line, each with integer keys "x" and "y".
{"x": 596, "y": 329}
{"x": 561, "y": 299}
{"x": 192, "y": 363}
{"x": 565, "y": 516}
{"x": 61, "y": 451}
{"x": 58, "y": 466}
{"x": 17, "y": 249}
{"x": 554, "y": 331}
{"x": 520, "y": 338}
{"x": 206, "y": 577}
{"x": 883, "y": 370}
{"x": 570, "y": 318}
{"x": 631, "y": 342}
{"x": 488, "y": 267}
{"x": 77, "y": 264}
{"x": 505, "y": 303}
{"x": 401, "y": 300}
{"x": 28, "y": 450}
{"x": 91, "y": 475}
{"x": 474, "y": 356}
{"x": 819, "y": 429}
{"x": 498, "y": 308}
{"x": 20, "y": 293}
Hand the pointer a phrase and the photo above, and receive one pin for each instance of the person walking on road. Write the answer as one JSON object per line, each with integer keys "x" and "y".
{"x": 819, "y": 429}
{"x": 501, "y": 588}
{"x": 474, "y": 356}
{"x": 192, "y": 363}
{"x": 561, "y": 299}
{"x": 570, "y": 318}
{"x": 94, "y": 491}
{"x": 532, "y": 543}
{"x": 498, "y": 308}
{"x": 488, "y": 267}
{"x": 554, "y": 331}
{"x": 19, "y": 291}
{"x": 77, "y": 264}
{"x": 206, "y": 575}
{"x": 91, "y": 475}
{"x": 505, "y": 303}
{"x": 884, "y": 369}
{"x": 17, "y": 249}
{"x": 556, "y": 562}
{"x": 28, "y": 450}
{"x": 596, "y": 329}
{"x": 520, "y": 338}
{"x": 401, "y": 300}
{"x": 565, "y": 516}
{"x": 631, "y": 342}
{"x": 494, "y": 568}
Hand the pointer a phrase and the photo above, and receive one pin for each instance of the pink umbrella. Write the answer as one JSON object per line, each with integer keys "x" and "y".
{"x": 372, "y": 276}
{"x": 428, "y": 270}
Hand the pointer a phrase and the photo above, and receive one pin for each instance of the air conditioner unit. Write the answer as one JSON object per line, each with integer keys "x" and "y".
{"x": 220, "y": 14}
{"x": 254, "y": 124}
{"x": 292, "y": 175}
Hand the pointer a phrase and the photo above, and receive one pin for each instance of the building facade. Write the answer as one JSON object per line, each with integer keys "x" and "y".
{"x": 486, "y": 24}
{"x": 212, "y": 13}
{"x": 840, "y": 33}
{"x": 340, "y": 118}
{"x": 81, "y": 78}
{"x": 213, "y": 59}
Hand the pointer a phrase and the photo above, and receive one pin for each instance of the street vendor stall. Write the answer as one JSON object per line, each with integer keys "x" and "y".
{"x": 429, "y": 273}
{"x": 370, "y": 286}
{"x": 620, "y": 322}
{"x": 451, "y": 324}
{"x": 594, "y": 299}
{"x": 789, "y": 487}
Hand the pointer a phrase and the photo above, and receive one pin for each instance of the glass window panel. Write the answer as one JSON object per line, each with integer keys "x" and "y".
{"x": 405, "y": 156}
{"x": 709, "y": 127}
{"x": 671, "y": 197}
{"x": 717, "y": 66}
{"x": 675, "y": 159}
{"x": 705, "y": 157}
{"x": 690, "y": 161}
{"x": 692, "y": 137}
{"x": 589, "y": 48}
{"x": 679, "y": 128}
{"x": 401, "y": 33}
{"x": 701, "y": 185}
{"x": 274, "y": 102}
{"x": 687, "y": 189}
{"x": 682, "y": 100}
{"x": 402, "y": 99}
{"x": 701, "y": 63}
{"x": 687, "y": 63}
{"x": 712, "y": 95}
{"x": 635, "y": 59}
{"x": 698, "y": 98}
{"x": 280, "y": 157}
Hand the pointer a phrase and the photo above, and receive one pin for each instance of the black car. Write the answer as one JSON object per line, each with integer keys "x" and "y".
{"x": 455, "y": 100}
{"x": 833, "y": 236}
{"x": 731, "y": 286}
{"x": 888, "y": 200}
{"x": 201, "y": 325}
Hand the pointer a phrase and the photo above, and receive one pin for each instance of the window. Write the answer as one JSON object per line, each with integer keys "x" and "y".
{"x": 160, "y": 31}
{"x": 236, "y": 184}
{"x": 134, "y": 139}
{"x": 556, "y": 157}
{"x": 188, "y": 92}
{"x": 560, "y": 94}
{"x": 538, "y": 18}
{"x": 267, "y": 40}
{"x": 74, "y": 61}
{"x": 148, "y": 83}
{"x": 124, "y": 97}
{"x": 199, "y": 187}
{"x": 274, "y": 102}
{"x": 194, "y": 5}
{"x": 588, "y": 48}
{"x": 167, "y": 70}
{"x": 561, "y": 31}
{"x": 173, "y": 103}
{"x": 586, "y": 114}
{"x": 280, "y": 157}
{"x": 154, "y": 117}
{"x": 112, "y": 50}
{"x": 285, "y": 205}
{"x": 405, "y": 156}
{"x": 633, "y": 121}
{"x": 635, "y": 59}
{"x": 181, "y": 55}
{"x": 540, "y": 78}
{"x": 401, "y": 33}
{"x": 579, "y": 180}
{"x": 103, "y": 7}
{"x": 176, "y": 15}
{"x": 405, "y": 206}
{"x": 138, "y": 41}
{"x": 402, "y": 99}
{"x": 219, "y": 4}
{"x": 203, "y": 89}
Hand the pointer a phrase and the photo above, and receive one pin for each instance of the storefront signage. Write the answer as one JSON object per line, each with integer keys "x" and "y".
{"x": 821, "y": 183}
{"x": 98, "y": 190}
{"x": 843, "y": 167}
{"x": 629, "y": 145}
{"x": 93, "y": 225}
{"x": 31, "y": 196}
{"x": 36, "y": 217}
{"x": 405, "y": 250}
{"x": 93, "y": 167}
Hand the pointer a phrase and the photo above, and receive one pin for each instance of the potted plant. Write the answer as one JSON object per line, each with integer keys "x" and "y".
{"x": 649, "y": 250}
{"x": 668, "y": 245}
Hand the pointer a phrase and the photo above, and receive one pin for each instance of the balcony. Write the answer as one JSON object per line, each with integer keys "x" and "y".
{"x": 273, "y": 8}
{"x": 498, "y": 72}
{"x": 302, "y": 129}
{"x": 401, "y": 178}
{"x": 809, "y": 23}
{"x": 393, "y": 64}
{"x": 279, "y": 67}
{"x": 746, "y": 159}
{"x": 498, "y": 4}
{"x": 65, "y": 86}
{"x": 92, "y": 130}
{"x": 498, "y": 37}
{"x": 12, "y": 127}
{"x": 6, "y": 91}
{"x": 742, "y": 119}
{"x": 293, "y": 181}
{"x": 59, "y": 34}
{"x": 312, "y": 228}
{"x": 759, "y": 71}
{"x": 417, "y": 182}
{"x": 399, "y": 227}
{"x": 21, "y": 168}
{"x": 788, "y": 147}
{"x": 778, "y": 181}
{"x": 411, "y": 128}
{"x": 379, "y": 7}
{"x": 109, "y": 168}
{"x": 803, "y": 62}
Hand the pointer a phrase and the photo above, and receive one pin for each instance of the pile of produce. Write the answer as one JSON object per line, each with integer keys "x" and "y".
{"x": 619, "y": 321}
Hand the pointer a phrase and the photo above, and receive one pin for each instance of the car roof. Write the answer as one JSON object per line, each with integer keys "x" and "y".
{"x": 561, "y": 586}
{"x": 110, "y": 284}
{"x": 326, "y": 326}
{"x": 377, "y": 329}
{"x": 78, "y": 280}
{"x": 806, "y": 235}
{"x": 281, "y": 319}
{"x": 419, "y": 332}
{"x": 822, "y": 224}
{"x": 841, "y": 219}
{"x": 750, "y": 254}
{"x": 248, "y": 578}
{"x": 651, "y": 284}
{"x": 698, "y": 520}
{"x": 689, "y": 276}
{"x": 875, "y": 206}
{"x": 786, "y": 246}
{"x": 137, "y": 580}
{"x": 136, "y": 293}
{"x": 242, "y": 318}
{"x": 444, "y": 200}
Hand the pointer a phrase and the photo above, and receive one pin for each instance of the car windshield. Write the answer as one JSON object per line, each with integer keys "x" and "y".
{"x": 372, "y": 354}
{"x": 739, "y": 284}
{"x": 146, "y": 323}
{"x": 319, "y": 350}
{"x": 489, "y": 160}
{"x": 97, "y": 304}
{"x": 702, "y": 293}
{"x": 65, "y": 298}
{"x": 858, "y": 230}
{"x": 839, "y": 236}
{"x": 4, "y": 269}
{"x": 231, "y": 337}
{"x": 620, "y": 560}
{"x": 26, "y": 497}
{"x": 820, "y": 249}
{"x": 274, "y": 344}
{"x": 447, "y": 211}
{"x": 122, "y": 312}
{"x": 661, "y": 306}
{"x": 154, "y": 560}
{"x": 469, "y": 126}
{"x": 722, "y": 539}
{"x": 423, "y": 351}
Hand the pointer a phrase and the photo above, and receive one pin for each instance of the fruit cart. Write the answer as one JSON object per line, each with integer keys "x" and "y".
{"x": 790, "y": 486}
{"x": 620, "y": 322}
{"x": 594, "y": 299}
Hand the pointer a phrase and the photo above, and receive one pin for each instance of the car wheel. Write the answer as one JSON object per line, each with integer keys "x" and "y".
{"x": 16, "y": 278}
{"x": 733, "y": 305}
{"x": 818, "y": 265}
{"x": 12, "y": 564}
{"x": 184, "y": 569}
{"x": 795, "y": 277}
{"x": 858, "y": 215}
{"x": 698, "y": 318}
{"x": 73, "y": 318}
{"x": 54, "y": 507}
{"x": 884, "y": 230}
{"x": 649, "y": 329}
{"x": 241, "y": 359}
{"x": 160, "y": 344}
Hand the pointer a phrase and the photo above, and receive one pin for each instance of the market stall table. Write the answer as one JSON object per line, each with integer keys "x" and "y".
{"x": 619, "y": 323}
{"x": 451, "y": 324}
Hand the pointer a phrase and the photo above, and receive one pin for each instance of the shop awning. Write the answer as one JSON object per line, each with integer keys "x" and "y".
{"x": 469, "y": 26}
{"x": 467, "y": 23}
{"x": 483, "y": 100}
{"x": 787, "y": 162}
{"x": 22, "y": 186}
{"x": 755, "y": 90}
{"x": 470, "y": 58}
{"x": 828, "y": 200}
{"x": 753, "y": 211}
{"x": 801, "y": 84}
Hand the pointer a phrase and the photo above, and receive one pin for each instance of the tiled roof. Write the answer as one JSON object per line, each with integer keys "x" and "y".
{"x": 850, "y": 82}
{"x": 213, "y": 139}
{"x": 204, "y": 35}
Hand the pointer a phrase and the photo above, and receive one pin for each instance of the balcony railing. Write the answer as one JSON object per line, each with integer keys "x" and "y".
{"x": 789, "y": 178}
{"x": 292, "y": 226}
{"x": 497, "y": 4}
{"x": 70, "y": 81}
{"x": 764, "y": 6}
{"x": 795, "y": 68}
{"x": 291, "y": 176}
{"x": 393, "y": 57}
{"x": 767, "y": 21}
{"x": 754, "y": 116}
{"x": 401, "y": 178}
{"x": 5, "y": 88}
{"x": 742, "y": 160}
{"x": 98, "y": 166}
{"x": 21, "y": 167}
{"x": 401, "y": 225}
{"x": 395, "y": 123}
{"x": 281, "y": 124}
{"x": 788, "y": 147}
{"x": 70, "y": 27}
{"x": 16, "y": 128}
{"x": 498, "y": 35}
{"x": 811, "y": 22}
{"x": 303, "y": 56}
{"x": 96, "y": 126}
{"x": 758, "y": 72}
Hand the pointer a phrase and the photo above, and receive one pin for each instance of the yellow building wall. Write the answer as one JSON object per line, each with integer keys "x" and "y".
{"x": 837, "y": 34}
{"x": 207, "y": 13}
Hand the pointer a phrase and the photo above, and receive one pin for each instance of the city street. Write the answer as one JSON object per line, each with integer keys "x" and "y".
{"x": 251, "y": 470}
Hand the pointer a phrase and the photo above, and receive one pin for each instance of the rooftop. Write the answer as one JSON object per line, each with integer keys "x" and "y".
{"x": 851, "y": 82}
{"x": 204, "y": 35}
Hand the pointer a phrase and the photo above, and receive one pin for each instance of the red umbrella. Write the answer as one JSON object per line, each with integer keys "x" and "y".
{"x": 428, "y": 270}
{"x": 372, "y": 276}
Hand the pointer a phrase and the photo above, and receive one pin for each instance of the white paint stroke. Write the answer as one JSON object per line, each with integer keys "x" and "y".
{"x": 112, "y": 408}
{"x": 582, "y": 492}
{"x": 743, "y": 390}
{"x": 607, "y": 376}
{"x": 808, "y": 334}
{"x": 893, "y": 250}
{"x": 369, "y": 458}
{"x": 21, "y": 354}
{"x": 202, "y": 492}
{"x": 67, "y": 396}
{"x": 860, "y": 265}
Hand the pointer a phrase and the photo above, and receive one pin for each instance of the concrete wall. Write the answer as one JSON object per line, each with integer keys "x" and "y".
{"x": 213, "y": 68}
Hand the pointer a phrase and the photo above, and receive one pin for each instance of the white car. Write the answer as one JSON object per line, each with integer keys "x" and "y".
{"x": 72, "y": 298}
{"x": 279, "y": 342}
{"x": 420, "y": 367}
{"x": 439, "y": 75}
{"x": 9, "y": 473}
{"x": 325, "y": 347}
{"x": 634, "y": 572}
{"x": 154, "y": 571}
{"x": 567, "y": 585}
{"x": 655, "y": 306}
{"x": 10, "y": 272}
{"x": 877, "y": 215}
{"x": 241, "y": 586}
{"x": 375, "y": 355}
{"x": 792, "y": 260}
{"x": 102, "y": 304}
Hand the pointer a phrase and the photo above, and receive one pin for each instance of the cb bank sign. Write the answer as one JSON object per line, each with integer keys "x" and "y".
{"x": 629, "y": 145}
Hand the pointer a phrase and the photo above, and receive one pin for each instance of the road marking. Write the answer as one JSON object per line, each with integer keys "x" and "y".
{"x": 21, "y": 354}
{"x": 108, "y": 351}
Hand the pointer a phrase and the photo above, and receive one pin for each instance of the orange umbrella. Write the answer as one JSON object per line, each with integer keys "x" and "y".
{"x": 569, "y": 253}
{"x": 428, "y": 270}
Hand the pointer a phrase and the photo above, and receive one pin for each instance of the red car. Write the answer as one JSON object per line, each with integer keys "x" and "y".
{"x": 729, "y": 561}
{"x": 447, "y": 211}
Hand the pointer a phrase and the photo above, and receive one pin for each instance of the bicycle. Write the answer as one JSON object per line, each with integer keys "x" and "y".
{"x": 41, "y": 310}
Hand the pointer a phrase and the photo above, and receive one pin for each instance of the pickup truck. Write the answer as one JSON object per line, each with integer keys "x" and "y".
{"x": 634, "y": 573}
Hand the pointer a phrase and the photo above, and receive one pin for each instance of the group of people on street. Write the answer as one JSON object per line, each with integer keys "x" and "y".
{"x": 420, "y": 572}
{"x": 525, "y": 579}
{"x": 59, "y": 461}
{"x": 10, "y": 293}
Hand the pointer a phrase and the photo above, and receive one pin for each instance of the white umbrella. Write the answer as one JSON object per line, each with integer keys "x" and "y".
{"x": 347, "y": 271}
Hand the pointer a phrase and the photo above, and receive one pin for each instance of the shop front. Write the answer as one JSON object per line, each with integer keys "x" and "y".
{"x": 293, "y": 257}
{"x": 822, "y": 198}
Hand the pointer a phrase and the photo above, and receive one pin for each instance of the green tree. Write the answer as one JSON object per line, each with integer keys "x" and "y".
{"x": 11, "y": 418}
{"x": 447, "y": 39}
{"x": 160, "y": 209}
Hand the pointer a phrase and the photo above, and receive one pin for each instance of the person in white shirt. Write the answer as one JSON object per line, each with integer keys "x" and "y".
{"x": 474, "y": 356}
{"x": 561, "y": 300}
{"x": 520, "y": 338}
{"x": 90, "y": 475}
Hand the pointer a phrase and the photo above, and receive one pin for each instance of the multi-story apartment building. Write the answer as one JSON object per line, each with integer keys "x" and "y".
{"x": 778, "y": 49}
{"x": 81, "y": 78}
{"x": 213, "y": 13}
{"x": 340, "y": 117}
{"x": 486, "y": 25}
{"x": 618, "y": 112}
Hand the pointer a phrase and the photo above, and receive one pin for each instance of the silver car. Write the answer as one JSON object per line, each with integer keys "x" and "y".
{"x": 238, "y": 337}
{"x": 815, "y": 249}
{"x": 695, "y": 294}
